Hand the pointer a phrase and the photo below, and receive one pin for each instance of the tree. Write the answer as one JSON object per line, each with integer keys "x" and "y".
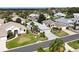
{"x": 27, "y": 31}
{"x": 25, "y": 24}
{"x": 57, "y": 45}
{"x": 41, "y": 18}
{"x": 35, "y": 28}
{"x": 41, "y": 49}
{"x": 8, "y": 19}
{"x": 32, "y": 23}
{"x": 42, "y": 34}
{"x": 10, "y": 34}
{"x": 18, "y": 20}
{"x": 75, "y": 25}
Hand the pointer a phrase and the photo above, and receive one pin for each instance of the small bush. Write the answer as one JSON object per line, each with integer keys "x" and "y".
{"x": 67, "y": 27}
{"x": 10, "y": 35}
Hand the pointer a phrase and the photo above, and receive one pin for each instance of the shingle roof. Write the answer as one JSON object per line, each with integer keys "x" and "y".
{"x": 64, "y": 20}
{"x": 3, "y": 32}
{"x": 9, "y": 24}
{"x": 59, "y": 14}
{"x": 48, "y": 22}
{"x": 14, "y": 18}
{"x": 3, "y": 28}
{"x": 1, "y": 21}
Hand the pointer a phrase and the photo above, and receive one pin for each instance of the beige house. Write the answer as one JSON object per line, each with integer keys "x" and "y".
{"x": 33, "y": 17}
{"x": 49, "y": 23}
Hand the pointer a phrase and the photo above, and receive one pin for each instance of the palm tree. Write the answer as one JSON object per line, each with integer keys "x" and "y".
{"x": 57, "y": 45}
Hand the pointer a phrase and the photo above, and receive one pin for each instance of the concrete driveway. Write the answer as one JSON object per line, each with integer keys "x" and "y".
{"x": 47, "y": 31}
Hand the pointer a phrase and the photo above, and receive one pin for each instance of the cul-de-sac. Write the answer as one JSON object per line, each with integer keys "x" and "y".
{"x": 39, "y": 30}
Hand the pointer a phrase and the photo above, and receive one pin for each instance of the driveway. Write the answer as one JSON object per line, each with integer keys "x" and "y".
{"x": 47, "y": 31}
{"x": 68, "y": 31}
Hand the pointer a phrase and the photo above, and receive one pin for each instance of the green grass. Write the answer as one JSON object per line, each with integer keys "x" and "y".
{"x": 74, "y": 44}
{"x": 59, "y": 33}
{"x": 24, "y": 39}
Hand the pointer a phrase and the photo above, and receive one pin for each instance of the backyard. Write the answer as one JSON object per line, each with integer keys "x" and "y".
{"x": 25, "y": 39}
{"x": 74, "y": 44}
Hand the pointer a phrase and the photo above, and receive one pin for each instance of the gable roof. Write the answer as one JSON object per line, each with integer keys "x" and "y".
{"x": 48, "y": 22}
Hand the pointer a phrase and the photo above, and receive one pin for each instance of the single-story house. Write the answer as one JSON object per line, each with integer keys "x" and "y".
{"x": 15, "y": 27}
{"x": 33, "y": 17}
{"x": 76, "y": 15}
{"x": 64, "y": 21}
{"x": 59, "y": 14}
{"x": 49, "y": 23}
{"x": 16, "y": 17}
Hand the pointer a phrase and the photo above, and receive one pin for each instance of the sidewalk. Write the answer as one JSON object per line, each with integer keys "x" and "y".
{"x": 68, "y": 31}
{"x": 68, "y": 48}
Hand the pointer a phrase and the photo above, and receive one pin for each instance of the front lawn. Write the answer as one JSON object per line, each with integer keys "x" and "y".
{"x": 58, "y": 32}
{"x": 24, "y": 39}
{"x": 74, "y": 44}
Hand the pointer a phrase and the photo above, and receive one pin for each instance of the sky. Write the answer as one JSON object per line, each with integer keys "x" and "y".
{"x": 39, "y": 3}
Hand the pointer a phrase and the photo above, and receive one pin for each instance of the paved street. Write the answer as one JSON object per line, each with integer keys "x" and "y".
{"x": 30, "y": 48}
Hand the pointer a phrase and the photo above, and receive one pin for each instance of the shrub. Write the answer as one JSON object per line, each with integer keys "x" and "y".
{"x": 41, "y": 49}
{"x": 67, "y": 27}
{"x": 18, "y": 20}
{"x": 42, "y": 34}
{"x": 10, "y": 35}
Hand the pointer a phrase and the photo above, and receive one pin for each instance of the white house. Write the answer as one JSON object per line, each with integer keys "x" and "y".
{"x": 59, "y": 14}
{"x": 15, "y": 27}
{"x": 76, "y": 15}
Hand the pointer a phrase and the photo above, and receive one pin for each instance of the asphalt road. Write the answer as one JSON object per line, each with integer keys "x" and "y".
{"x": 35, "y": 46}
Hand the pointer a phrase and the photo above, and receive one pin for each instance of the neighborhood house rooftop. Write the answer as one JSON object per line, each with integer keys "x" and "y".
{"x": 10, "y": 24}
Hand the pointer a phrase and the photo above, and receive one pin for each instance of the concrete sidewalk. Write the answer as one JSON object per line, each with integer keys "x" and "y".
{"x": 67, "y": 47}
{"x": 68, "y": 31}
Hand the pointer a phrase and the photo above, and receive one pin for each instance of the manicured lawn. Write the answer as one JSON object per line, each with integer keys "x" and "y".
{"x": 24, "y": 39}
{"x": 74, "y": 44}
{"x": 59, "y": 33}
